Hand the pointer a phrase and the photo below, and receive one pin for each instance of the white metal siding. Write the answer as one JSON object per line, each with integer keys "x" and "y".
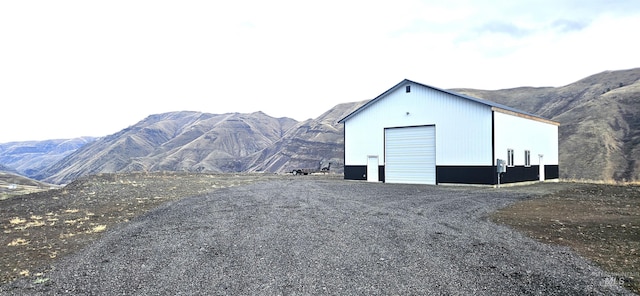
{"x": 410, "y": 155}
{"x": 464, "y": 127}
{"x": 520, "y": 134}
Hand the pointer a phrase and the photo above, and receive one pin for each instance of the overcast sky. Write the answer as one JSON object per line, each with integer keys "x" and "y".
{"x": 92, "y": 68}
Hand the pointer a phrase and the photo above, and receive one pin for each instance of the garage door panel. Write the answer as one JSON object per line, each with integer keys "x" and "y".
{"x": 410, "y": 155}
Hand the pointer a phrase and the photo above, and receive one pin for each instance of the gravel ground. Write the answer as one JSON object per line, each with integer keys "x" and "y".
{"x": 305, "y": 236}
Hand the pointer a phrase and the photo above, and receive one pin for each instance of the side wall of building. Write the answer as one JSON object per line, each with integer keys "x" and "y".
{"x": 519, "y": 135}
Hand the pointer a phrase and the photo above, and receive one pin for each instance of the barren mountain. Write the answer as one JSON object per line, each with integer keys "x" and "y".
{"x": 312, "y": 144}
{"x": 30, "y": 157}
{"x": 6, "y": 169}
{"x": 599, "y": 130}
{"x": 175, "y": 141}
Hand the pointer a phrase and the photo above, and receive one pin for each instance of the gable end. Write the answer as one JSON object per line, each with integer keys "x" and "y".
{"x": 494, "y": 106}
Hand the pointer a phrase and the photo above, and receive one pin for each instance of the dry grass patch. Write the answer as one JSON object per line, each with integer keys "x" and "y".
{"x": 98, "y": 228}
{"x": 603, "y": 182}
{"x": 17, "y": 220}
{"x": 9, "y": 189}
{"x": 18, "y": 242}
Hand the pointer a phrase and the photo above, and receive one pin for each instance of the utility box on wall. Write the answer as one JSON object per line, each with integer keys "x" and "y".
{"x": 501, "y": 165}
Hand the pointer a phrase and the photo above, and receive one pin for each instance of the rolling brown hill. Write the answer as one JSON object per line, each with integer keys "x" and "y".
{"x": 599, "y": 135}
{"x": 312, "y": 144}
{"x": 12, "y": 184}
{"x": 175, "y": 141}
{"x": 202, "y": 142}
{"x": 8, "y": 178}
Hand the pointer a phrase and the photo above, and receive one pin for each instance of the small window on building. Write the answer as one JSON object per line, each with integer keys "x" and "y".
{"x": 510, "y": 157}
{"x": 408, "y": 88}
{"x": 527, "y": 158}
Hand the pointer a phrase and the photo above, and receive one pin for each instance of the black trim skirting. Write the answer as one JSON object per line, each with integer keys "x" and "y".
{"x": 355, "y": 172}
{"x": 359, "y": 172}
{"x": 520, "y": 174}
{"x": 467, "y": 174}
{"x": 551, "y": 172}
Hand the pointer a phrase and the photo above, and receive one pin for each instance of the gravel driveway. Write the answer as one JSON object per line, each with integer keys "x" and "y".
{"x": 308, "y": 236}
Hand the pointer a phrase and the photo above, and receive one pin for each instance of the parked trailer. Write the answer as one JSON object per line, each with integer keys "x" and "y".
{"x": 303, "y": 171}
{"x": 323, "y": 170}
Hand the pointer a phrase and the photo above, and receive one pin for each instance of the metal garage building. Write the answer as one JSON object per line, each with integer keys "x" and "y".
{"x": 419, "y": 134}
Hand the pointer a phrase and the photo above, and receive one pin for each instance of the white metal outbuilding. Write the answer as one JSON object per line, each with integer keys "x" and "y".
{"x": 415, "y": 133}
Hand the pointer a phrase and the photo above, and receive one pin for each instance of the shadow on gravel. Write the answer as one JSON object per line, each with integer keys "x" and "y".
{"x": 299, "y": 235}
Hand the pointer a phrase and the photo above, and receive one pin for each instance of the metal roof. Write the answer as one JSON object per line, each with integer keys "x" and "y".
{"x": 477, "y": 100}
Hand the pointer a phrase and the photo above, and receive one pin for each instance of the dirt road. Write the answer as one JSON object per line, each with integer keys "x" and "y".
{"x": 304, "y": 236}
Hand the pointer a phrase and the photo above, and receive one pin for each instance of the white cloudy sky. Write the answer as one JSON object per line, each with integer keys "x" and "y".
{"x": 92, "y": 68}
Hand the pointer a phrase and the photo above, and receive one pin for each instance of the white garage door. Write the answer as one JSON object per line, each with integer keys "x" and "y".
{"x": 410, "y": 155}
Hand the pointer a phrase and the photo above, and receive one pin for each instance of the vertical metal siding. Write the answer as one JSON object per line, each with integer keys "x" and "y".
{"x": 520, "y": 134}
{"x": 464, "y": 127}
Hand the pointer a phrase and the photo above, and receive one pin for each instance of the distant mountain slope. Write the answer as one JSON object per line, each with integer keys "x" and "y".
{"x": 30, "y": 157}
{"x": 194, "y": 141}
{"x": 8, "y": 178}
{"x": 600, "y": 123}
{"x": 175, "y": 141}
{"x": 312, "y": 144}
{"x": 6, "y": 169}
